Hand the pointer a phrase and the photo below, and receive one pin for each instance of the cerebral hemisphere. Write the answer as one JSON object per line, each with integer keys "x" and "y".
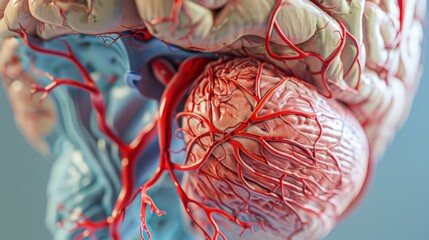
{"x": 192, "y": 119}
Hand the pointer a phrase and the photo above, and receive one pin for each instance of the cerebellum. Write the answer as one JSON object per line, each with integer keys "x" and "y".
{"x": 274, "y": 152}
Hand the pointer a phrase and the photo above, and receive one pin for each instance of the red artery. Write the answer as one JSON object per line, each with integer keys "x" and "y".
{"x": 163, "y": 71}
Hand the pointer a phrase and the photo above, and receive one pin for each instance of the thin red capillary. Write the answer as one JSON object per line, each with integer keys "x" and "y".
{"x": 62, "y": 11}
{"x": 109, "y": 38}
{"x": 396, "y": 42}
{"x": 383, "y": 70}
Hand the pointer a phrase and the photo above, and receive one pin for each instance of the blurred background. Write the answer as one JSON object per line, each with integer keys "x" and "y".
{"x": 396, "y": 206}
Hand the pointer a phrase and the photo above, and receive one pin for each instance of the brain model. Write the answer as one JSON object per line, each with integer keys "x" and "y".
{"x": 244, "y": 119}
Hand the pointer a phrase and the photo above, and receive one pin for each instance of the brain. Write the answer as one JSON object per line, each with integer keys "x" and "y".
{"x": 261, "y": 119}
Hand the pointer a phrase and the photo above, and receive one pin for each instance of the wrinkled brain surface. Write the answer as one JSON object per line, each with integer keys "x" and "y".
{"x": 282, "y": 109}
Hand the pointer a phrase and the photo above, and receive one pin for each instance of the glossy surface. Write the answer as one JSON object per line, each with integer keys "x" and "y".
{"x": 388, "y": 95}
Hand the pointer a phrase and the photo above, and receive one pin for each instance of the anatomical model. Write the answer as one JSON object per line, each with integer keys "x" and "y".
{"x": 197, "y": 119}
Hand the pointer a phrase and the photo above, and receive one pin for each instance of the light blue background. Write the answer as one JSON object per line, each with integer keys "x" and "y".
{"x": 395, "y": 208}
